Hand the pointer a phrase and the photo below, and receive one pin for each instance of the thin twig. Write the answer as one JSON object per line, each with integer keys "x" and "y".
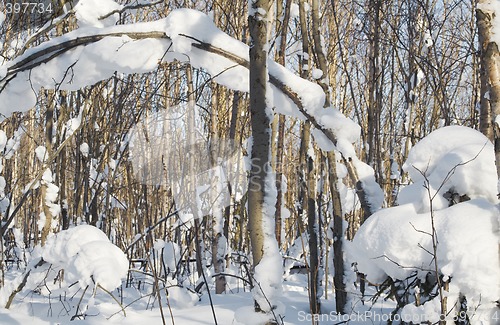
{"x": 114, "y": 298}
{"x": 231, "y": 275}
{"x": 271, "y": 307}
{"x": 132, "y": 7}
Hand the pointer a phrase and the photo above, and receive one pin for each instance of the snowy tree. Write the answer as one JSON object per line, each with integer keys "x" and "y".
{"x": 63, "y": 62}
{"x": 365, "y": 81}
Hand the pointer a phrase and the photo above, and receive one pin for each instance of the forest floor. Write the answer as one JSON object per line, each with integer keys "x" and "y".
{"x": 231, "y": 308}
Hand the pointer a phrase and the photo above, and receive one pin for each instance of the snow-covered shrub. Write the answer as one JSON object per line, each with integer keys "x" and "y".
{"x": 170, "y": 254}
{"x": 87, "y": 256}
{"x": 82, "y": 255}
{"x": 395, "y": 245}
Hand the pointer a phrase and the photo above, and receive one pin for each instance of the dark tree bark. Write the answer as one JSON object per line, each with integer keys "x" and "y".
{"x": 280, "y": 58}
{"x": 338, "y": 227}
{"x": 307, "y": 178}
{"x": 373, "y": 105}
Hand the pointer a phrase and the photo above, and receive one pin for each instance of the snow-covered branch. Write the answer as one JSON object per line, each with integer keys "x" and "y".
{"x": 46, "y": 54}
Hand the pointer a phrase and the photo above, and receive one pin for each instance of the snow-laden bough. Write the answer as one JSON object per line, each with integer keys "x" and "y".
{"x": 93, "y": 53}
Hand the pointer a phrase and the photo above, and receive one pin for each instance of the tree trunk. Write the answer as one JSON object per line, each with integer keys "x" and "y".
{"x": 260, "y": 123}
{"x": 63, "y": 164}
{"x": 314, "y": 251}
{"x": 373, "y": 107}
{"x": 490, "y": 80}
{"x": 338, "y": 236}
{"x": 260, "y": 181}
{"x": 216, "y": 197}
{"x": 308, "y": 179}
{"x": 191, "y": 180}
{"x": 490, "y": 74}
{"x": 338, "y": 227}
{"x": 49, "y": 116}
{"x": 280, "y": 58}
{"x": 484, "y": 34}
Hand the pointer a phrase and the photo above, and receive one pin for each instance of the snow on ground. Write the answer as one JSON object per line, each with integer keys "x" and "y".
{"x": 36, "y": 310}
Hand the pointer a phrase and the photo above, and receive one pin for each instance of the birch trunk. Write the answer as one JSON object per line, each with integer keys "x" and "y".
{"x": 262, "y": 237}
{"x": 490, "y": 78}
{"x": 260, "y": 126}
{"x": 49, "y": 115}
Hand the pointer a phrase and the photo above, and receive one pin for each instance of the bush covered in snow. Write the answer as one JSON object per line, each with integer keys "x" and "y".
{"x": 444, "y": 232}
{"x": 82, "y": 255}
{"x": 87, "y": 256}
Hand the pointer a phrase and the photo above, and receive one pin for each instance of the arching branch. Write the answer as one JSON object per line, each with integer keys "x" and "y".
{"x": 34, "y": 58}
{"x": 294, "y": 97}
{"x": 46, "y": 54}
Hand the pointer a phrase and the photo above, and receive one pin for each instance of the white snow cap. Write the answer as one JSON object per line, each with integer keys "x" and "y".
{"x": 41, "y": 153}
{"x": 84, "y": 149}
{"x": 455, "y": 158}
{"x": 3, "y": 140}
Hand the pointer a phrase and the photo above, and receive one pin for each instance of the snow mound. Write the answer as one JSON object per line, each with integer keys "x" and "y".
{"x": 393, "y": 243}
{"x": 454, "y": 158}
{"x": 87, "y": 256}
{"x": 464, "y": 242}
{"x": 397, "y": 243}
{"x": 181, "y": 298}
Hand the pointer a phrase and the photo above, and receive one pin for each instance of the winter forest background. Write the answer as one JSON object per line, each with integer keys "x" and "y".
{"x": 250, "y": 162}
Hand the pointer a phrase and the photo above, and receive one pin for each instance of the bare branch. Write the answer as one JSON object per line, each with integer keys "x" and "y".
{"x": 132, "y": 7}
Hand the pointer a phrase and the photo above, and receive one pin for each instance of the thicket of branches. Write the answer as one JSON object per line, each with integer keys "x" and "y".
{"x": 400, "y": 69}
